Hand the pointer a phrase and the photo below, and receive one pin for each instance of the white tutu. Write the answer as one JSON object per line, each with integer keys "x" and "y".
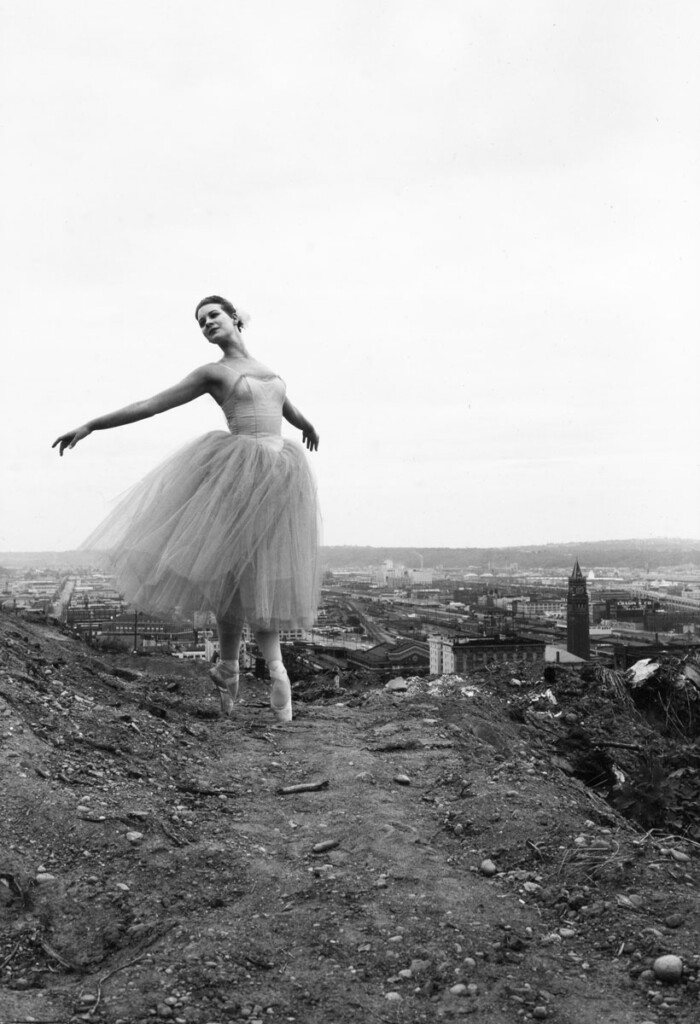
{"x": 227, "y": 524}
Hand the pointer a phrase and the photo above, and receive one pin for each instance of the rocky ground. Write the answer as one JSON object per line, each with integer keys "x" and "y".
{"x": 448, "y": 861}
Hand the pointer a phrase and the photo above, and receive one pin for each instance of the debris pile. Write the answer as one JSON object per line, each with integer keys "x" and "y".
{"x": 430, "y": 849}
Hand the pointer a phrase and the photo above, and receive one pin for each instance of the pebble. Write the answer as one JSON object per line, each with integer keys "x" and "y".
{"x": 488, "y": 868}
{"x": 134, "y": 837}
{"x": 394, "y": 997}
{"x": 674, "y": 920}
{"x": 44, "y": 876}
{"x": 668, "y": 968}
{"x": 681, "y": 857}
{"x": 469, "y": 962}
{"x": 459, "y": 990}
{"x": 539, "y": 1012}
{"x": 398, "y": 685}
{"x": 420, "y": 966}
{"x": 123, "y": 887}
{"x": 402, "y": 780}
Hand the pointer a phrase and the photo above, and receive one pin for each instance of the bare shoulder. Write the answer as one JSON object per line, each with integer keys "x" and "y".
{"x": 209, "y": 374}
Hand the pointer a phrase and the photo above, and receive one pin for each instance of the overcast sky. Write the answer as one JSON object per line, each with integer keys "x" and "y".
{"x": 467, "y": 234}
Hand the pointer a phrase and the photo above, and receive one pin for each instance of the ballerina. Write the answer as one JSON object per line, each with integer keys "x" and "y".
{"x": 229, "y": 523}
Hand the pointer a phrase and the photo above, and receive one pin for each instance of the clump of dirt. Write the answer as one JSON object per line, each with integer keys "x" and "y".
{"x": 444, "y": 856}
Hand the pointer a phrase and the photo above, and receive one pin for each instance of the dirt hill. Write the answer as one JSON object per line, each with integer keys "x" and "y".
{"x": 448, "y": 862}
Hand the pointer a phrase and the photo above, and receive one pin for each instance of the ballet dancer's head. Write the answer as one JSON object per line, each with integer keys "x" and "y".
{"x": 218, "y": 318}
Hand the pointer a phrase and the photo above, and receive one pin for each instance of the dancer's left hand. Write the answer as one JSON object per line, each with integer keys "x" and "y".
{"x": 310, "y": 438}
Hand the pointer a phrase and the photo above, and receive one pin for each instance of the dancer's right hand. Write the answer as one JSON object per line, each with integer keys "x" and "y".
{"x": 71, "y": 438}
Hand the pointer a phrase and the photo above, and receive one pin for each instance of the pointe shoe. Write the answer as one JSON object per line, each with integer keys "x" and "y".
{"x": 226, "y": 681}
{"x": 281, "y": 695}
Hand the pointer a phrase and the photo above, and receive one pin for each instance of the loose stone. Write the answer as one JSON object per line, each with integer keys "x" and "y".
{"x": 398, "y": 685}
{"x": 394, "y": 997}
{"x": 668, "y": 968}
{"x": 488, "y": 868}
{"x": 674, "y": 920}
{"x": 420, "y": 966}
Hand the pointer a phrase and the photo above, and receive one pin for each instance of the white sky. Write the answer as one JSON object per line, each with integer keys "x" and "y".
{"x": 467, "y": 233}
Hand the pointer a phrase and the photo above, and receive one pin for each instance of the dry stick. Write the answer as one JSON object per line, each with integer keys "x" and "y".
{"x": 56, "y": 956}
{"x": 105, "y": 977}
{"x": 621, "y": 746}
{"x": 202, "y": 790}
{"x": 9, "y": 956}
{"x": 304, "y": 787}
{"x": 129, "y": 963}
{"x": 327, "y": 844}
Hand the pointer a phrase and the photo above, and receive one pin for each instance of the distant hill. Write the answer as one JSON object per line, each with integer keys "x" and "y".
{"x": 655, "y": 554}
{"x": 623, "y": 554}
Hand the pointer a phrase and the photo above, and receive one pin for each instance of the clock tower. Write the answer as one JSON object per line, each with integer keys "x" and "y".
{"x": 577, "y": 628}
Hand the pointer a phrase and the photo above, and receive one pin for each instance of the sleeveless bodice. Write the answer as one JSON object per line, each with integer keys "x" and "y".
{"x": 253, "y": 406}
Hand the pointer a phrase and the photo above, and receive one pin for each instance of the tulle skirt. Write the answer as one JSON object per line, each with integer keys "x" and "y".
{"x": 228, "y": 524}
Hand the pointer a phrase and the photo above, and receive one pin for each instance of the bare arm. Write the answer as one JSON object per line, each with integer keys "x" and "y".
{"x": 197, "y": 383}
{"x": 293, "y": 416}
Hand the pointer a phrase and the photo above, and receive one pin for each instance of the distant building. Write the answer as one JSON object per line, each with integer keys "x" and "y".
{"x": 578, "y": 639}
{"x": 460, "y": 654}
{"x": 404, "y": 656}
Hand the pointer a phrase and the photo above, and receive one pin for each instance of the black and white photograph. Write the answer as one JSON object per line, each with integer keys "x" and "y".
{"x": 350, "y": 511}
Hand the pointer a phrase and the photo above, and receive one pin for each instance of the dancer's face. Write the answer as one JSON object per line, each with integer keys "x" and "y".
{"x": 215, "y": 323}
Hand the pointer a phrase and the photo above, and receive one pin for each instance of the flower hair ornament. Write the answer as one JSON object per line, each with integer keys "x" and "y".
{"x": 242, "y": 318}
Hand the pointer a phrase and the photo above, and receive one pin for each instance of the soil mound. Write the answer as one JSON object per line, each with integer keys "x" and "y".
{"x": 454, "y": 848}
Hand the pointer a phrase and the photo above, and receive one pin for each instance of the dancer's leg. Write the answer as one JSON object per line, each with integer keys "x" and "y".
{"x": 268, "y": 641}
{"x": 230, "y": 633}
{"x": 225, "y": 674}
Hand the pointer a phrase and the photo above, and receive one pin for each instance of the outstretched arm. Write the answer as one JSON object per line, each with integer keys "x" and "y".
{"x": 197, "y": 383}
{"x": 308, "y": 434}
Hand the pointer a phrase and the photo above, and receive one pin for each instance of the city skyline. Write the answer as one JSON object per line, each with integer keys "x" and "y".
{"x": 465, "y": 233}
